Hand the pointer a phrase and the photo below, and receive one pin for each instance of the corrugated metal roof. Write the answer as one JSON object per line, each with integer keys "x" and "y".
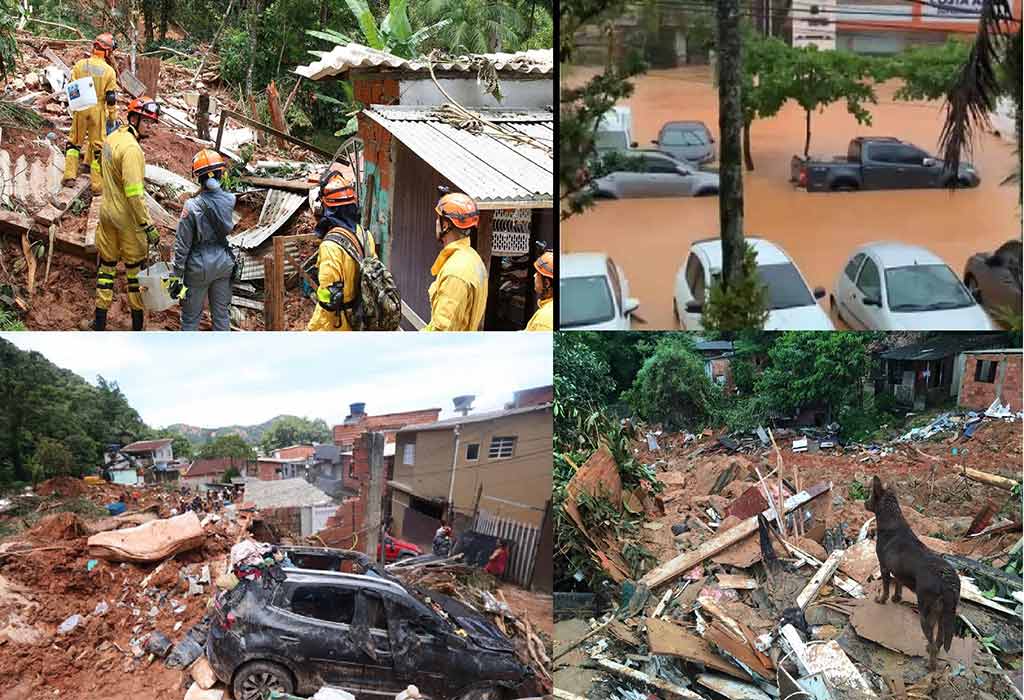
{"x": 343, "y": 58}
{"x": 497, "y": 172}
{"x": 278, "y": 208}
{"x": 284, "y": 493}
{"x": 474, "y": 418}
{"x": 945, "y": 346}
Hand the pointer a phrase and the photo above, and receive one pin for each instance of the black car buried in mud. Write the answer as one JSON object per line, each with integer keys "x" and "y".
{"x": 364, "y": 632}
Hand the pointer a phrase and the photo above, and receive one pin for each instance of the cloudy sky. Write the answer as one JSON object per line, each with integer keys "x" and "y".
{"x": 212, "y": 380}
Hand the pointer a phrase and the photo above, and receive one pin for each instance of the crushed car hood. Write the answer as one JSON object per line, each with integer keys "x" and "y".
{"x": 480, "y": 630}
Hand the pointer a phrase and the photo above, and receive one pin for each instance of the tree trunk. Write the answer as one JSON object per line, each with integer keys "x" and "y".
{"x": 147, "y": 19}
{"x": 747, "y": 158}
{"x": 807, "y": 139}
{"x": 166, "y": 10}
{"x": 730, "y": 125}
{"x": 253, "y": 12}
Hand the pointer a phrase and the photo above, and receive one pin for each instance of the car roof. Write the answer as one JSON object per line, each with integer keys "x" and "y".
{"x": 360, "y": 580}
{"x": 685, "y": 122}
{"x": 710, "y": 251}
{"x": 583, "y": 264}
{"x": 894, "y": 254}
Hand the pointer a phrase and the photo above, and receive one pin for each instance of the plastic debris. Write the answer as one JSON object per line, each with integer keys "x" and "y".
{"x": 69, "y": 624}
{"x": 91, "y": 564}
{"x": 102, "y": 608}
{"x": 158, "y": 644}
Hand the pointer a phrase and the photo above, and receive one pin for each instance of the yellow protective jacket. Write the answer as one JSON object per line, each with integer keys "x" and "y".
{"x": 543, "y": 320}
{"x": 334, "y": 264}
{"x": 124, "y": 168}
{"x": 89, "y": 125}
{"x": 458, "y": 296}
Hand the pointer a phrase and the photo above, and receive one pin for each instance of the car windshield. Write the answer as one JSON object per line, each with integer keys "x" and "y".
{"x": 584, "y": 300}
{"x": 785, "y": 287}
{"x": 924, "y": 288}
{"x": 610, "y": 140}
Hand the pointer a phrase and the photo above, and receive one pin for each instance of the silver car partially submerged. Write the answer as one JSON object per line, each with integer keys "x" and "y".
{"x": 655, "y": 174}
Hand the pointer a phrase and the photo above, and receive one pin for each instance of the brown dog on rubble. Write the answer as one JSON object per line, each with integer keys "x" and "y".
{"x": 905, "y": 558}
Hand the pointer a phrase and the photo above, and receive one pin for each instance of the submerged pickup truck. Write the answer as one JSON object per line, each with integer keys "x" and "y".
{"x": 879, "y": 163}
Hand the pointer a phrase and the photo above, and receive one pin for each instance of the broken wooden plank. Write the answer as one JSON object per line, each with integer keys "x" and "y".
{"x": 673, "y": 690}
{"x": 203, "y": 116}
{"x": 279, "y": 184}
{"x": 669, "y": 639}
{"x": 828, "y": 659}
{"x": 276, "y": 113}
{"x": 30, "y": 261}
{"x": 660, "y": 608}
{"x": 148, "y": 70}
{"x": 13, "y": 222}
{"x": 990, "y": 479}
{"x": 823, "y": 574}
{"x": 841, "y": 582}
{"x": 896, "y": 626}
{"x": 969, "y": 591}
{"x": 734, "y": 690}
{"x": 687, "y": 560}
{"x": 132, "y": 85}
{"x": 744, "y": 583}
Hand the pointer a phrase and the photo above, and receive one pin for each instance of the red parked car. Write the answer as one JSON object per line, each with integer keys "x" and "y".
{"x": 395, "y": 549}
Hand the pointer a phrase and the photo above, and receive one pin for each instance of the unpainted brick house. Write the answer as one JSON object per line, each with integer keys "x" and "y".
{"x": 989, "y": 375}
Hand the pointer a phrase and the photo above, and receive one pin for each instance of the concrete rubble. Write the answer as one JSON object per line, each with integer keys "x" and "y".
{"x": 713, "y": 589}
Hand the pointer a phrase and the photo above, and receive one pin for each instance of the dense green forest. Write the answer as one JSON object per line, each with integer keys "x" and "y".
{"x": 250, "y": 43}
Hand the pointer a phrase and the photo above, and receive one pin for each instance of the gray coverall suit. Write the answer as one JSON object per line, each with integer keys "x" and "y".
{"x": 202, "y": 259}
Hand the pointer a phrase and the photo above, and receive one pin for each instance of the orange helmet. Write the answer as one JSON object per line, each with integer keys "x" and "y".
{"x": 104, "y": 43}
{"x": 144, "y": 106}
{"x": 337, "y": 191}
{"x": 458, "y": 208}
{"x": 207, "y": 161}
{"x": 545, "y": 265}
{"x": 334, "y": 170}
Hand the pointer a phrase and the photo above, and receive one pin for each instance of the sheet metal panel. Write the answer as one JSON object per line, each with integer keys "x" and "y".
{"x": 278, "y": 208}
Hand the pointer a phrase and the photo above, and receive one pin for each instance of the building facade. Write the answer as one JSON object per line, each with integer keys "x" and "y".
{"x": 990, "y": 375}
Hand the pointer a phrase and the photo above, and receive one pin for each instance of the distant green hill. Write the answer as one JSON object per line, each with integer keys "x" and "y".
{"x": 252, "y": 434}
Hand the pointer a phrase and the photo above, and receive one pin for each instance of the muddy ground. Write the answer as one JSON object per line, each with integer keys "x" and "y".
{"x": 935, "y": 499}
{"x": 650, "y": 238}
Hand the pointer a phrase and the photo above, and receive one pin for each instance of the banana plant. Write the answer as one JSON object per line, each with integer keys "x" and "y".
{"x": 394, "y": 35}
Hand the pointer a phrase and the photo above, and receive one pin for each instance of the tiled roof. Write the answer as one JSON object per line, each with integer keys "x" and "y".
{"x": 208, "y": 467}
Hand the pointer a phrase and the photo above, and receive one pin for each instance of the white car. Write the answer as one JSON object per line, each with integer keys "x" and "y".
{"x": 791, "y": 303}
{"x": 593, "y": 294}
{"x": 894, "y": 286}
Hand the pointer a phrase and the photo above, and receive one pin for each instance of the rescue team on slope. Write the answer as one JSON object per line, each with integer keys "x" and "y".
{"x": 355, "y": 291}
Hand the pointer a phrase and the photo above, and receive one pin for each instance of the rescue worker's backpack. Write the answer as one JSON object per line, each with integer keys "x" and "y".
{"x": 376, "y": 305}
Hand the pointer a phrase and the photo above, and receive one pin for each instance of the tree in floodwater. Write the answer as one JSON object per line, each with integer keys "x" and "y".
{"x": 819, "y": 78}
{"x": 765, "y": 82}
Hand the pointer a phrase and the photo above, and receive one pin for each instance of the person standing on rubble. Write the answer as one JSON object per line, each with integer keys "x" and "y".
{"x": 203, "y": 263}
{"x": 89, "y": 125}
{"x": 125, "y": 230}
{"x": 544, "y": 286}
{"x": 458, "y": 295}
{"x": 337, "y": 271}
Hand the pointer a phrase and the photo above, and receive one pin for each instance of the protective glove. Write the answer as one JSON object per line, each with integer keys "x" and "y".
{"x": 152, "y": 235}
{"x": 176, "y": 288}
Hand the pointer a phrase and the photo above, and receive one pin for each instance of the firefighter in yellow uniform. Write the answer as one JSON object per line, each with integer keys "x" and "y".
{"x": 337, "y": 271}
{"x": 544, "y": 286}
{"x": 89, "y": 126}
{"x": 125, "y": 230}
{"x": 458, "y": 295}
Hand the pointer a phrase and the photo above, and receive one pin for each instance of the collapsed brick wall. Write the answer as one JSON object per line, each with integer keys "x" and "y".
{"x": 346, "y": 528}
{"x": 287, "y": 521}
{"x": 1007, "y": 385}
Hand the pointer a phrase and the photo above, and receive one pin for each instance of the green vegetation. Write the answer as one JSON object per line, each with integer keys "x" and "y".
{"x": 227, "y": 446}
{"x": 290, "y": 430}
{"x": 743, "y": 304}
{"x": 672, "y": 387}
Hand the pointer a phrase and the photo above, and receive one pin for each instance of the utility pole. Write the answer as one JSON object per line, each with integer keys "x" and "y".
{"x": 730, "y": 127}
{"x": 451, "y": 481}
{"x": 375, "y": 445}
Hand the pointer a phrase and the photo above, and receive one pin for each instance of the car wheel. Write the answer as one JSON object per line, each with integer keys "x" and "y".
{"x": 256, "y": 679}
{"x": 405, "y": 555}
{"x": 973, "y": 288}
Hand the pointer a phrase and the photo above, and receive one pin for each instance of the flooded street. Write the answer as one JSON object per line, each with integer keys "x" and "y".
{"x": 650, "y": 238}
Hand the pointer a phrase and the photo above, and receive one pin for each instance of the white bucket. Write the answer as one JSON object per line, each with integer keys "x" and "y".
{"x": 81, "y": 94}
{"x": 152, "y": 285}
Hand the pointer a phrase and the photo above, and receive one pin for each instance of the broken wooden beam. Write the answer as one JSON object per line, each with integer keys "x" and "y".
{"x": 279, "y": 184}
{"x": 990, "y": 479}
{"x": 148, "y": 70}
{"x": 687, "y": 560}
{"x": 823, "y": 574}
{"x": 666, "y": 638}
{"x": 847, "y": 585}
{"x": 225, "y": 113}
{"x": 276, "y": 113}
{"x": 673, "y": 690}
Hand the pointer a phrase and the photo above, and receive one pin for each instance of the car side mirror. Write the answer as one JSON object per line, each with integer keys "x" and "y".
{"x": 819, "y": 292}
{"x": 929, "y": 162}
{"x": 872, "y": 301}
{"x": 654, "y": 141}
{"x": 633, "y": 144}
{"x": 694, "y": 307}
{"x": 631, "y": 305}
{"x": 684, "y": 171}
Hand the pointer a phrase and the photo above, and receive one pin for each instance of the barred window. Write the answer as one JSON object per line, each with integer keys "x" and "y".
{"x": 502, "y": 447}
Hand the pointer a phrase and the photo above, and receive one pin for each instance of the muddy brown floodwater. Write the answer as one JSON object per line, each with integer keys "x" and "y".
{"x": 650, "y": 238}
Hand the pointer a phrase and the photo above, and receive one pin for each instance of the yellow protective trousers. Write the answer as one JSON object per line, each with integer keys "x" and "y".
{"x": 114, "y": 243}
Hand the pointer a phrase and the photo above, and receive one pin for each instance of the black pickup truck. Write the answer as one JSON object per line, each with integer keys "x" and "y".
{"x": 878, "y": 163}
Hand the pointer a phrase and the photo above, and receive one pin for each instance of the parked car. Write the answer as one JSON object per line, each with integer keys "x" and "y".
{"x": 659, "y": 175}
{"x": 687, "y": 140}
{"x": 879, "y": 163}
{"x": 614, "y": 131}
{"x": 365, "y": 633}
{"x": 895, "y": 286}
{"x": 791, "y": 303}
{"x": 395, "y": 549}
{"x": 995, "y": 279}
{"x": 593, "y": 294}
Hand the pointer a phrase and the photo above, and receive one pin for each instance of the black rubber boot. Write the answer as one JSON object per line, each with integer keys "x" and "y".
{"x": 100, "y": 322}
{"x": 137, "y": 317}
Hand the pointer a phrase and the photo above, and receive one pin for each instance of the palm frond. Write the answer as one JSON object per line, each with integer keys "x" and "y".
{"x": 973, "y": 94}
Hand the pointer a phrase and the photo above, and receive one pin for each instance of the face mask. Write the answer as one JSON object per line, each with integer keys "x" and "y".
{"x": 212, "y": 183}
